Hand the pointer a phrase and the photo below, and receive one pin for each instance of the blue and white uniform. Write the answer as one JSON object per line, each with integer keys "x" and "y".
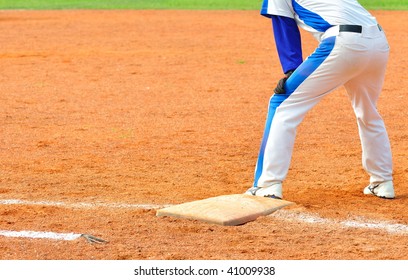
{"x": 353, "y": 51}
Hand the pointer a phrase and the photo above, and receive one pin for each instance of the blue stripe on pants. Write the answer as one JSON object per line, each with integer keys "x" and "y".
{"x": 295, "y": 80}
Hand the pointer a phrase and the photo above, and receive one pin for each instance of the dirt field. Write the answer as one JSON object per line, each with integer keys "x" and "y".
{"x": 108, "y": 115}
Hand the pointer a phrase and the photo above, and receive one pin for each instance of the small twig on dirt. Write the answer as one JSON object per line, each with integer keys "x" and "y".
{"x": 93, "y": 239}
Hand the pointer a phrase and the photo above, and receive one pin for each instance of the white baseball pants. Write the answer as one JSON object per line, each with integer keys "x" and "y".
{"x": 355, "y": 60}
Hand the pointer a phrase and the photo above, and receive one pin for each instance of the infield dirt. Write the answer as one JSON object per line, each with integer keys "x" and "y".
{"x": 165, "y": 107}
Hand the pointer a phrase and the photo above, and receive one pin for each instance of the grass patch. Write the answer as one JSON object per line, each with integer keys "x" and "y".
{"x": 171, "y": 4}
{"x": 131, "y": 4}
{"x": 385, "y": 4}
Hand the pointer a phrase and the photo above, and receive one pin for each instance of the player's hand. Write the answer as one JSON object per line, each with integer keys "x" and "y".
{"x": 280, "y": 88}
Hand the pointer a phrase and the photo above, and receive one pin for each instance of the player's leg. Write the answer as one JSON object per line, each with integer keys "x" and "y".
{"x": 317, "y": 76}
{"x": 364, "y": 91}
{"x": 376, "y": 152}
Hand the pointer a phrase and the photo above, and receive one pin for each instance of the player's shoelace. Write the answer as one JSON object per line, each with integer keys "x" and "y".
{"x": 371, "y": 188}
{"x": 254, "y": 190}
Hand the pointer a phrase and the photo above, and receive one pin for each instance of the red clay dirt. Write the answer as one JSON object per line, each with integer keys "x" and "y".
{"x": 127, "y": 108}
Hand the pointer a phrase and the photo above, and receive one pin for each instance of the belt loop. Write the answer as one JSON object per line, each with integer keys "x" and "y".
{"x": 332, "y": 31}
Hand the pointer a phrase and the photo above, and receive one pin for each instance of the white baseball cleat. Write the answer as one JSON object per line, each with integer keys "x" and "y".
{"x": 274, "y": 191}
{"x": 383, "y": 190}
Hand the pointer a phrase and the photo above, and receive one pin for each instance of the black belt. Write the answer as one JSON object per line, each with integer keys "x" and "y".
{"x": 351, "y": 28}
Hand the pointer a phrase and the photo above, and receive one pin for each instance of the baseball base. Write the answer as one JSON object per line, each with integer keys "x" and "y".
{"x": 226, "y": 210}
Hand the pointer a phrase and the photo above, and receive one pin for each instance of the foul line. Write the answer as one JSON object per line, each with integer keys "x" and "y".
{"x": 357, "y": 222}
{"x": 66, "y": 236}
{"x": 86, "y": 205}
{"x": 283, "y": 214}
{"x": 40, "y": 234}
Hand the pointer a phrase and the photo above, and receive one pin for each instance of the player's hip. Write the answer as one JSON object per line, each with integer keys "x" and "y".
{"x": 359, "y": 38}
{"x": 336, "y": 61}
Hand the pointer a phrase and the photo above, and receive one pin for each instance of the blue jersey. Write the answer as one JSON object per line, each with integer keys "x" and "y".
{"x": 314, "y": 16}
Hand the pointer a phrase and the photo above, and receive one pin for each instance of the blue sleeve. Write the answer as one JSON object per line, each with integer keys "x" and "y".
{"x": 288, "y": 42}
{"x": 264, "y": 9}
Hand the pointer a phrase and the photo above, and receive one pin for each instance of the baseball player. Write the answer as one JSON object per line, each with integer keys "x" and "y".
{"x": 353, "y": 51}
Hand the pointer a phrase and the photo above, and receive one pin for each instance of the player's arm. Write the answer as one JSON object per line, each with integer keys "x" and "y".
{"x": 289, "y": 46}
{"x": 288, "y": 42}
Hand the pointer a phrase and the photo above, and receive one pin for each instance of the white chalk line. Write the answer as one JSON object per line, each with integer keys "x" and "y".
{"x": 65, "y": 236}
{"x": 356, "y": 222}
{"x": 84, "y": 205}
{"x": 283, "y": 214}
{"x": 40, "y": 235}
